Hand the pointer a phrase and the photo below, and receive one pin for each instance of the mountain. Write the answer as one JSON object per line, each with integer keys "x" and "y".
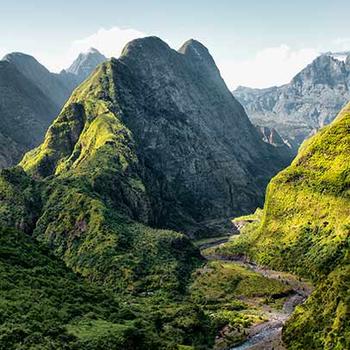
{"x": 25, "y": 113}
{"x": 305, "y": 229}
{"x": 85, "y": 63}
{"x": 181, "y": 129}
{"x": 310, "y": 101}
{"x": 30, "y": 98}
{"x": 46, "y": 81}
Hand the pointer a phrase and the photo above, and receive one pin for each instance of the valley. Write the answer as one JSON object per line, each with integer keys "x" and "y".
{"x": 148, "y": 203}
{"x": 273, "y": 311}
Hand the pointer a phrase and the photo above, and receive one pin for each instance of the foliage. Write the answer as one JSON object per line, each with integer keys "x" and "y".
{"x": 305, "y": 229}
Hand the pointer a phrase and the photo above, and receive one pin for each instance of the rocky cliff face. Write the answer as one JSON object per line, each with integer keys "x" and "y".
{"x": 25, "y": 113}
{"x": 190, "y": 143}
{"x": 30, "y": 98}
{"x": 311, "y": 100}
{"x": 84, "y": 64}
{"x": 46, "y": 81}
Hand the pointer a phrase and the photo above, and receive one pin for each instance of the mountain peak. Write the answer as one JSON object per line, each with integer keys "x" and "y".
{"x": 22, "y": 60}
{"x": 85, "y": 63}
{"x": 199, "y": 55}
{"x": 150, "y": 45}
{"x": 195, "y": 49}
{"x": 93, "y": 50}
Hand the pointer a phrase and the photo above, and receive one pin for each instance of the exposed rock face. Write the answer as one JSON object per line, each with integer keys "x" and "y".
{"x": 270, "y": 135}
{"x": 273, "y": 138}
{"x": 46, "y": 81}
{"x": 198, "y": 157}
{"x": 85, "y": 63}
{"x": 25, "y": 113}
{"x": 311, "y": 100}
{"x": 30, "y": 98}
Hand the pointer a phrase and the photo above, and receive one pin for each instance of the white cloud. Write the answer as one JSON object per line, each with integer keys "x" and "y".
{"x": 341, "y": 44}
{"x": 3, "y": 52}
{"x": 271, "y": 66}
{"x": 109, "y": 42}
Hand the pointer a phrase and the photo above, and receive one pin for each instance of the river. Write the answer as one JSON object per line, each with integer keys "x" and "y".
{"x": 267, "y": 335}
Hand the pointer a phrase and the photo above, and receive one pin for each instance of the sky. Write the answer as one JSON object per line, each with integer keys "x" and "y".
{"x": 256, "y": 43}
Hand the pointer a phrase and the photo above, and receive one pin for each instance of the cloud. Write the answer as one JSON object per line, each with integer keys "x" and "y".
{"x": 270, "y": 66}
{"x": 341, "y": 44}
{"x": 110, "y": 42}
{"x": 3, "y": 52}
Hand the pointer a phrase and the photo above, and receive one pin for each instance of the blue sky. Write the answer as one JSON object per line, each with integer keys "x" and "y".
{"x": 255, "y": 43}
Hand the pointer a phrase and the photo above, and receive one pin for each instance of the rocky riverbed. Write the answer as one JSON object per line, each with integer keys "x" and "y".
{"x": 267, "y": 335}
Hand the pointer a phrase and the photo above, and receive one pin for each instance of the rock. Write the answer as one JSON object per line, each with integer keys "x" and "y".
{"x": 310, "y": 101}
{"x": 84, "y": 64}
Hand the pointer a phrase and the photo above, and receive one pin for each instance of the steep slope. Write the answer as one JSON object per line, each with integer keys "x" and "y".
{"x": 25, "y": 113}
{"x": 310, "y": 101}
{"x": 193, "y": 142}
{"x": 305, "y": 229}
{"x": 44, "y": 305}
{"x": 46, "y": 81}
{"x": 30, "y": 98}
{"x": 85, "y": 63}
{"x": 153, "y": 139}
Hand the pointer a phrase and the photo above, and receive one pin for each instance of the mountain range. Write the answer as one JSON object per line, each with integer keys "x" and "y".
{"x": 149, "y": 157}
{"x": 31, "y": 97}
{"x": 310, "y": 101}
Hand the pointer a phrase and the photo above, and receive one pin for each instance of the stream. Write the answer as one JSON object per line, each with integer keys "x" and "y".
{"x": 267, "y": 335}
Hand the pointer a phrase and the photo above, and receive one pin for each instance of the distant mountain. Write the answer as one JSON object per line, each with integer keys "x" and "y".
{"x": 311, "y": 100}
{"x": 25, "y": 113}
{"x": 30, "y": 98}
{"x": 46, "y": 81}
{"x": 85, "y": 63}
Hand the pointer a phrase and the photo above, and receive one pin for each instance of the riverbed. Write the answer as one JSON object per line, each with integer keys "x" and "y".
{"x": 267, "y": 335}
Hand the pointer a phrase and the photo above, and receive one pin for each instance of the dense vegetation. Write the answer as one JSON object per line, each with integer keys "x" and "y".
{"x": 305, "y": 228}
{"x": 44, "y": 305}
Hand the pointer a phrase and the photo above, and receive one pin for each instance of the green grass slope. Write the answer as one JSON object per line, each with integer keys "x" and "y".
{"x": 305, "y": 228}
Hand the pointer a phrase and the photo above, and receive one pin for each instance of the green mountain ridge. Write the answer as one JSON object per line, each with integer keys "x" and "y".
{"x": 143, "y": 150}
{"x": 305, "y": 229}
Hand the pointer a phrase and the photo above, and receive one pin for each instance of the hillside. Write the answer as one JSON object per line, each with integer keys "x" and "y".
{"x": 305, "y": 229}
{"x": 30, "y": 98}
{"x": 310, "y": 101}
{"x": 25, "y": 113}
